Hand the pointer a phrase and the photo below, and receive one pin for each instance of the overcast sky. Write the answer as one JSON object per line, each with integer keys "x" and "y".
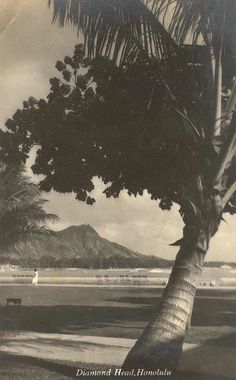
{"x": 29, "y": 48}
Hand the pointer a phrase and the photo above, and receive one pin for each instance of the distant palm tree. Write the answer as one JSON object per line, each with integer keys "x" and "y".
{"x": 21, "y": 208}
{"x": 158, "y": 30}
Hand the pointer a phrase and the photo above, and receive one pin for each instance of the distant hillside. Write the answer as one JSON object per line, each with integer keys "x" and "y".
{"x": 78, "y": 246}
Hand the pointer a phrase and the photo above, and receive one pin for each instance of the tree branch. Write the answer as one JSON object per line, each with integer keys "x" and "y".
{"x": 232, "y": 100}
{"x": 229, "y": 193}
{"x": 218, "y": 92}
{"x": 229, "y": 154}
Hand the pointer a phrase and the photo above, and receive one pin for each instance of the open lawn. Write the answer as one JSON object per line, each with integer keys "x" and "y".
{"x": 120, "y": 312}
{"x": 103, "y": 311}
{"x": 18, "y": 368}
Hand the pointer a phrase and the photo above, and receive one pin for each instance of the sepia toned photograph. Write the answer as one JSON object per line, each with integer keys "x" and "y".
{"x": 117, "y": 189}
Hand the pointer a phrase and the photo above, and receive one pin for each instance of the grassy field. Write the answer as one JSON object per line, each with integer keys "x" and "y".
{"x": 119, "y": 312}
{"x": 18, "y": 368}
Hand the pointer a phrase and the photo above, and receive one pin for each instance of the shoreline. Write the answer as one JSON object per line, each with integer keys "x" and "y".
{"x": 113, "y": 286}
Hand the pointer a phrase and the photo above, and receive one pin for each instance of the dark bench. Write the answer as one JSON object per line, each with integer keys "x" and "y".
{"x": 9, "y": 316}
{"x": 14, "y": 301}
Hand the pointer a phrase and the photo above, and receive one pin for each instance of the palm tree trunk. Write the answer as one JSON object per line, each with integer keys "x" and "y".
{"x": 160, "y": 345}
{"x": 189, "y": 321}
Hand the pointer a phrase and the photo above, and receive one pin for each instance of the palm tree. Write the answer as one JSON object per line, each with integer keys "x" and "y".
{"x": 21, "y": 208}
{"x": 159, "y": 31}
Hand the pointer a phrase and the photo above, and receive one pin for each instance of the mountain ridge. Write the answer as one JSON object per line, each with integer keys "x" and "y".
{"x": 78, "y": 246}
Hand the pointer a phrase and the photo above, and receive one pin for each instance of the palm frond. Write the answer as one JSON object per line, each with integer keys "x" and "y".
{"x": 118, "y": 29}
{"x": 198, "y": 21}
{"x": 21, "y": 208}
{"x": 21, "y": 234}
{"x": 186, "y": 19}
{"x": 126, "y": 31}
{"x": 190, "y": 125}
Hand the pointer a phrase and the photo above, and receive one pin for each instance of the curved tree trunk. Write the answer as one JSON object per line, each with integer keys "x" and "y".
{"x": 189, "y": 321}
{"x": 160, "y": 345}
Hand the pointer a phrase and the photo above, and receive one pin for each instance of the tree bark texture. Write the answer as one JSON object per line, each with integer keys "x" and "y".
{"x": 189, "y": 321}
{"x": 160, "y": 345}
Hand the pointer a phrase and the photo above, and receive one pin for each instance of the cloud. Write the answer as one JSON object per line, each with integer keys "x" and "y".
{"x": 29, "y": 49}
{"x": 136, "y": 222}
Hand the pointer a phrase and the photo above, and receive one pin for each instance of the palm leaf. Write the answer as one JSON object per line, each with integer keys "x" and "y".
{"x": 187, "y": 17}
{"x": 118, "y": 29}
{"x": 21, "y": 208}
{"x": 124, "y": 31}
{"x": 190, "y": 125}
{"x": 198, "y": 21}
